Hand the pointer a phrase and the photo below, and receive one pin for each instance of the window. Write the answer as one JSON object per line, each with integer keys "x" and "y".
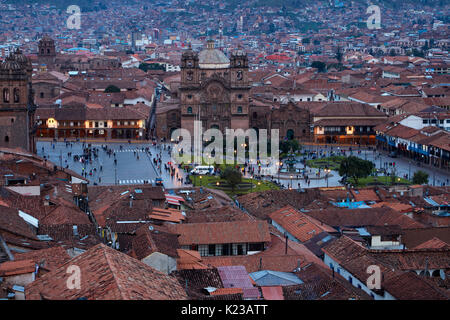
{"x": 189, "y": 110}
{"x": 6, "y": 95}
{"x": 239, "y": 96}
{"x": 16, "y": 95}
{"x": 96, "y": 124}
{"x": 218, "y": 250}
{"x": 211, "y": 249}
{"x": 12, "y": 120}
{"x": 239, "y": 109}
{"x": 203, "y": 249}
{"x": 42, "y": 95}
{"x": 6, "y": 139}
{"x": 189, "y": 96}
{"x": 425, "y": 121}
{"x": 132, "y": 123}
{"x": 125, "y": 123}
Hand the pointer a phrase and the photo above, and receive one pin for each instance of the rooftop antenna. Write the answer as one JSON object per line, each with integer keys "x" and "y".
{"x": 221, "y": 35}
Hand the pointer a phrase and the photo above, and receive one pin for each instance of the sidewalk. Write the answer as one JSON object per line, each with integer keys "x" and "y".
{"x": 98, "y": 140}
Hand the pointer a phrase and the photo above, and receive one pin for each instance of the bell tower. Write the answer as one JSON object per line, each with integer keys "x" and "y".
{"x": 47, "y": 51}
{"x": 16, "y": 103}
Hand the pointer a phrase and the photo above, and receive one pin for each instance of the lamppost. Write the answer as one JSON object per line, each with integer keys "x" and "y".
{"x": 251, "y": 182}
{"x": 409, "y": 170}
{"x": 291, "y": 182}
{"x": 327, "y": 171}
{"x": 279, "y": 170}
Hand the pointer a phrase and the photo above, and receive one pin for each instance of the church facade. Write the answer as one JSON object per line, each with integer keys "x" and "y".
{"x": 214, "y": 89}
{"x": 217, "y": 91}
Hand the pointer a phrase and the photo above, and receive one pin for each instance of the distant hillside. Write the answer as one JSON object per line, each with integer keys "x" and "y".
{"x": 89, "y": 5}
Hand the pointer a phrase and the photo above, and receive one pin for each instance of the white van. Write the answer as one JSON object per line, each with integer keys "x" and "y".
{"x": 203, "y": 170}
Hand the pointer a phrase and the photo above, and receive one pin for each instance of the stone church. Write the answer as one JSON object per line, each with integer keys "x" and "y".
{"x": 214, "y": 89}
{"x": 16, "y": 103}
{"x": 217, "y": 90}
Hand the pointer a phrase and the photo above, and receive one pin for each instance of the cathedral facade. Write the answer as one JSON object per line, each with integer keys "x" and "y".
{"x": 16, "y": 103}
{"x": 214, "y": 89}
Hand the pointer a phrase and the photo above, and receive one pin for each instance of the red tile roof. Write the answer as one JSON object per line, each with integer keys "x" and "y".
{"x": 12, "y": 268}
{"x": 296, "y": 223}
{"x": 49, "y": 259}
{"x": 107, "y": 274}
{"x": 222, "y": 232}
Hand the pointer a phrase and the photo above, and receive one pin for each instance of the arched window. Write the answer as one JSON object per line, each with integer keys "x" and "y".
{"x": 6, "y": 95}
{"x": 189, "y": 110}
{"x": 239, "y": 109}
{"x": 16, "y": 95}
{"x": 42, "y": 51}
{"x": 48, "y": 51}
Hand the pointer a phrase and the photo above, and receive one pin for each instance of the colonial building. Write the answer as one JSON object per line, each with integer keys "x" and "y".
{"x": 16, "y": 103}
{"x": 214, "y": 89}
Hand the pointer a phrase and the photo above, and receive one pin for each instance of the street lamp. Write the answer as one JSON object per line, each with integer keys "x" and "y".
{"x": 291, "y": 181}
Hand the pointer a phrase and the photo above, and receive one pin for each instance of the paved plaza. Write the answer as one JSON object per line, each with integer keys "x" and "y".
{"x": 135, "y": 165}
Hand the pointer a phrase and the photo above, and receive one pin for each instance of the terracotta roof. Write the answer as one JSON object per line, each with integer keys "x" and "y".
{"x": 434, "y": 243}
{"x": 189, "y": 259}
{"x": 49, "y": 259}
{"x": 222, "y": 232}
{"x": 13, "y": 268}
{"x": 409, "y": 286}
{"x": 171, "y": 215}
{"x": 150, "y": 239}
{"x": 340, "y": 217}
{"x": 272, "y": 293}
{"x": 296, "y": 223}
{"x": 364, "y": 194}
{"x": 107, "y": 275}
{"x": 319, "y": 283}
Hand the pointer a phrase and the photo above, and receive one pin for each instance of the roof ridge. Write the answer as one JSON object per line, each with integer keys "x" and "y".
{"x": 112, "y": 269}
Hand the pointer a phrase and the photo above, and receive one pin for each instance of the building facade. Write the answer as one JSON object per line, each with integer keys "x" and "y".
{"x": 214, "y": 89}
{"x": 16, "y": 103}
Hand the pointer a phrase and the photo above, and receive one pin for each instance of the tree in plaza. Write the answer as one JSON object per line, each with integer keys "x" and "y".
{"x": 355, "y": 168}
{"x": 232, "y": 176}
{"x": 288, "y": 145}
{"x": 420, "y": 177}
{"x": 112, "y": 88}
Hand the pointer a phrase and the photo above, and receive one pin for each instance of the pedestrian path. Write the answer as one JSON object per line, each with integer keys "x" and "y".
{"x": 135, "y": 181}
{"x": 129, "y": 150}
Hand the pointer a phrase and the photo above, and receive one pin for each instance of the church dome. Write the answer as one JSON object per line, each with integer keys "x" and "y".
{"x": 20, "y": 58}
{"x": 212, "y": 58}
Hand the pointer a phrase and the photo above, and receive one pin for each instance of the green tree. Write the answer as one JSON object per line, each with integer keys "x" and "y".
{"x": 420, "y": 177}
{"x": 355, "y": 168}
{"x": 232, "y": 176}
{"x": 112, "y": 88}
{"x": 339, "y": 55}
{"x": 321, "y": 67}
{"x": 286, "y": 146}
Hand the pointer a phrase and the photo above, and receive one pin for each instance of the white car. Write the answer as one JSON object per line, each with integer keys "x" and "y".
{"x": 202, "y": 170}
